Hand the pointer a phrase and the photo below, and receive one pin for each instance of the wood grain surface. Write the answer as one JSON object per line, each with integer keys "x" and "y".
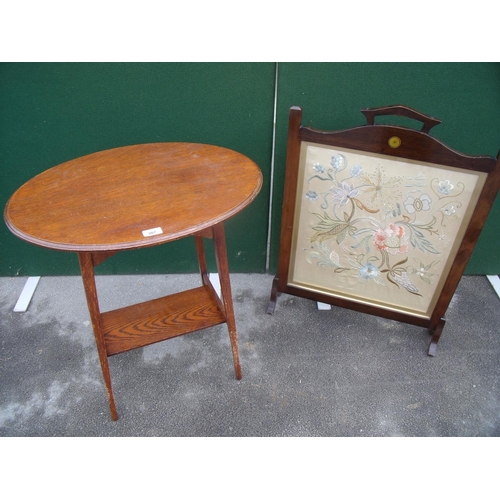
{"x": 105, "y": 201}
{"x": 160, "y": 319}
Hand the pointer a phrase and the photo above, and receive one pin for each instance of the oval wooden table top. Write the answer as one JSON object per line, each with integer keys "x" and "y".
{"x": 132, "y": 196}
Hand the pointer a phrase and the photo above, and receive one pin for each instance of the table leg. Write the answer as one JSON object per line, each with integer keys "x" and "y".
{"x": 225, "y": 285}
{"x": 200, "y": 250}
{"x": 87, "y": 270}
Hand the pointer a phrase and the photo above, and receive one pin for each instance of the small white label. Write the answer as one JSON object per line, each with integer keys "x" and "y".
{"x": 152, "y": 232}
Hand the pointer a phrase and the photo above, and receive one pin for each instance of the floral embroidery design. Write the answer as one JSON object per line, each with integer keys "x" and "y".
{"x": 342, "y": 193}
{"x": 392, "y": 239}
{"x": 445, "y": 189}
{"x": 381, "y": 191}
{"x": 369, "y": 224}
{"x": 414, "y": 203}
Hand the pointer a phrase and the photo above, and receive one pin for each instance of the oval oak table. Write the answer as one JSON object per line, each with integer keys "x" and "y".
{"x": 133, "y": 197}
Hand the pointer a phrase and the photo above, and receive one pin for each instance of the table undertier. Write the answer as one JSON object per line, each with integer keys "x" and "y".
{"x": 160, "y": 319}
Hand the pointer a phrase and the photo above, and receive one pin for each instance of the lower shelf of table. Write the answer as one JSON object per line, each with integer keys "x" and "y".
{"x": 149, "y": 322}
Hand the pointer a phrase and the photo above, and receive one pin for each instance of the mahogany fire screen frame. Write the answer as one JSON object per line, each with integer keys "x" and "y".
{"x": 380, "y": 219}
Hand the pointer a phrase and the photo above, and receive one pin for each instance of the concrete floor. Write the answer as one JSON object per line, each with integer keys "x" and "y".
{"x": 305, "y": 372}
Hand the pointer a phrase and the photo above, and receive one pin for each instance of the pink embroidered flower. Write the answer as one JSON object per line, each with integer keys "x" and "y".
{"x": 392, "y": 239}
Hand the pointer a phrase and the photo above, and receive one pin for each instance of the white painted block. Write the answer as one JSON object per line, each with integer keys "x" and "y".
{"x": 323, "y": 307}
{"x": 214, "y": 279}
{"x": 495, "y": 283}
{"x": 25, "y": 298}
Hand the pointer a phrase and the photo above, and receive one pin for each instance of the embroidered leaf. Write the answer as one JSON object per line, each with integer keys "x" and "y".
{"x": 325, "y": 257}
{"x": 365, "y": 242}
{"x": 401, "y": 278}
{"x": 400, "y": 263}
{"x": 394, "y": 213}
{"x": 418, "y": 240}
{"x": 337, "y": 229}
{"x": 341, "y": 236}
{"x": 335, "y": 258}
{"x": 312, "y": 255}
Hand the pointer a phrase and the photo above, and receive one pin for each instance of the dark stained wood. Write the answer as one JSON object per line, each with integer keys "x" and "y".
{"x": 288, "y": 205}
{"x": 291, "y": 177}
{"x": 476, "y": 224}
{"x": 100, "y": 204}
{"x": 400, "y": 110}
{"x": 275, "y": 293}
{"x": 415, "y": 145}
{"x": 436, "y": 332}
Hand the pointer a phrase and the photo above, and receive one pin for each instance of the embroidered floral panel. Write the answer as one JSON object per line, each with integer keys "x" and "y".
{"x": 376, "y": 229}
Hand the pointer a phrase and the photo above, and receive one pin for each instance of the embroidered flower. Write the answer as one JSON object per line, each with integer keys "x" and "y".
{"x": 450, "y": 210}
{"x": 356, "y": 170}
{"x": 381, "y": 191}
{"x": 369, "y": 271}
{"x": 365, "y": 272}
{"x": 392, "y": 239}
{"x": 338, "y": 162}
{"x": 423, "y": 271}
{"x": 416, "y": 204}
{"x": 445, "y": 187}
{"x": 343, "y": 193}
{"x": 319, "y": 168}
{"x": 312, "y": 195}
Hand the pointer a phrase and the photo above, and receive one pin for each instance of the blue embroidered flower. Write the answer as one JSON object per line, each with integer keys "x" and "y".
{"x": 319, "y": 168}
{"x": 417, "y": 203}
{"x": 369, "y": 271}
{"x": 445, "y": 187}
{"x": 312, "y": 195}
{"x": 338, "y": 162}
{"x": 356, "y": 170}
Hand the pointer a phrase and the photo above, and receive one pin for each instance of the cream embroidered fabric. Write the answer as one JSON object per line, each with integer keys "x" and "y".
{"x": 376, "y": 229}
